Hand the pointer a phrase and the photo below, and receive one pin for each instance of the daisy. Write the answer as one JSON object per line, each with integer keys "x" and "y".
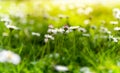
{"x": 47, "y": 36}
{"x": 82, "y": 29}
{"x": 85, "y": 70}
{"x": 61, "y": 30}
{"x": 10, "y": 57}
{"x": 117, "y": 28}
{"x": 73, "y": 27}
{"x": 11, "y": 27}
{"x": 114, "y": 22}
{"x": 61, "y": 68}
{"x": 86, "y": 22}
{"x": 46, "y": 40}
{"x": 51, "y": 26}
{"x": 35, "y": 34}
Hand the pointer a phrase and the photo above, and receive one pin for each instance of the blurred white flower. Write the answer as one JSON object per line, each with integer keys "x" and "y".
{"x": 5, "y": 34}
{"x": 110, "y": 71}
{"x": 46, "y": 40}
{"x": 115, "y": 10}
{"x": 5, "y": 18}
{"x": 12, "y": 27}
{"x": 73, "y": 27}
{"x": 47, "y": 7}
{"x": 110, "y": 36}
{"x": 118, "y": 63}
{"x": 49, "y": 30}
{"x": 116, "y": 13}
{"x": 35, "y": 34}
{"x": 82, "y": 29}
{"x": 49, "y": 36}
{"x": 61, "y": 30}
{"x": 51, "y": 26}
{"x": 88, "y": 10}
{"x": 80, "y": 11}
{"x": 65, "y": 27}
{"x": 56, "y": 55}
{"x": 103, "y": 36}
{"x": 117, "y": 28}
{"x": 68, "y": 31}
{"x": 86, "y": 22}
{"x": 63, "y": 8}
{"x": 115, "y": 39}
{"x": 114, "y": 22}
{"x": 104, "y": 30}
{"x": 93, "y": 27}
{"x": 54, "y": 31}
{"x": 61, "y": 68}
{"x": 86, "y": 35}
{"x": 85, "y": 70}
{"x": 108, "y": 32}
{"x": 8, "y": 56}
{"x": 71, "y": 6}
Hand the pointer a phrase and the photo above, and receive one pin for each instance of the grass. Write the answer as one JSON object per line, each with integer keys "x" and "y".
{"x": 73, "y": 50}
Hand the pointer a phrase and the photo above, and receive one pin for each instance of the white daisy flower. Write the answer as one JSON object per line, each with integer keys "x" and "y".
{"x": 61, "y": 68}
{"x": 49, "y": 30}
{"x": 114, "y": 22}
{"x": 86, "y": 35}
{"x": 117, "y": 28}
{"x": 88, "y": 10}
{"x": 54, "y": 31}
{"x": 108, "y": 32}
{"x": 8, "y": 56}
{"x": 73, "y": 27}
{"x": 86, "y": 22}
{"x": 71, "y": 6}
{"x": 63, "y": 8}
{"x": 104, "y": 30}
{"x": 56, "y": 55}
{"x": 117, "y": 15}
{"x": 103, "y": 36}
{"x": 66, "y": 27}
{"x": 118, "y": 63}
{"x": 51, "y": 26}
{"x": 80, "y": 11}
{"x": 110, "y": 36}
{"x": 46, "y": 40}
{"x": 93, "y": 27}
{"x": 85, "y": 70}
{"x": 68, "y": 31}
{"x": 35, "y": 34}
{"x": 82, "y": 29}
{"x": 5, "y": 18}
{"x": 116, "y": 12}
{"x": 61, "y": 30}
{"x": 12, "y": 27}
{"x": 115, "y": 39}
{"x": 49, "y": 36}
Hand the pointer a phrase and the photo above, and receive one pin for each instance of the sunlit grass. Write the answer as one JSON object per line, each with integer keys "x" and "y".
{"x": 53, "y": 37}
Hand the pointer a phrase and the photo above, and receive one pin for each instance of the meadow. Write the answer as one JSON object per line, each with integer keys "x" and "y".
{"x": 46, "y": 37}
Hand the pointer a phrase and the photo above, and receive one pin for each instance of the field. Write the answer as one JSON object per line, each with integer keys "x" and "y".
{"x": 47, "y": 37}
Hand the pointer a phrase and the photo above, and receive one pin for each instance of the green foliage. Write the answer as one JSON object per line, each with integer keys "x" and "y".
{"x": 73, "y": 50}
